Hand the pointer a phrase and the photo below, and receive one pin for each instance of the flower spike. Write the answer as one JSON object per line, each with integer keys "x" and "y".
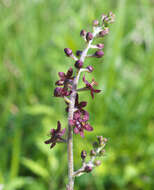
{"x": 67, "y": 88}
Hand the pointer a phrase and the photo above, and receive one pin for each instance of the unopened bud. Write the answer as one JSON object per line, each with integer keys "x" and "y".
{"x": 89, "y": 36}
{"x": 112, "y": 17}
{"x": 78, "y": 64}
{"x": 90, "y": 68}
{"x": 92, "y": 153}
{"x": 57, "y": 92}
{"x": 83, "y": 154}
{"x": 105, "y": 140}
{"x": 83, "y": 33}
{"x": 100, "y": 140}
{"x": 104, "y": 32}
{"x": 97, "y": 163}
{"x": 68, "y": 51}
{"x": 95, "y": 145}
{"x": 95, "y": 23}
{"x": 88, "y": 169}
{"x": 106, "y": 20}
{"x": 102, "y": 152}
{"x": 78, "y": 53}
{"x": 100, "y": 46}
{"x": 103, "y": 17}
{"x": 99, "y": 54}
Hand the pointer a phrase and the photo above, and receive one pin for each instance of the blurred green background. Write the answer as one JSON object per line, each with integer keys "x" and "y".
{"x": 33, "y": 34}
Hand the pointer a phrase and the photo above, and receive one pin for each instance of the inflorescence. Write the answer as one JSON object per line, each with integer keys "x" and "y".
{"x": 67, "y": 88}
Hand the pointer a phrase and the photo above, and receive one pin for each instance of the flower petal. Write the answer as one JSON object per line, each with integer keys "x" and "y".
{"x": 81, "y": 133}
{"x": 85, "y": 81}
{"x": 77, "y": 100}
{"x": 96, "y": 91}
{"x": 53, "y": 144}
{"x": 58, "y": 126}
{"x": 62, "y": 132}
{"x": 76, "y": 130}
{"x": 59, "y": 82}
{"x": 92, "y": 94}
{"x": 77, "y": 115}
{"x": 61, "y": 75}
{"x": 71, "y": 122}
{"x": 48, "y": 141}
{"x": 52, "y": 131}
{"x": 69, "y": 72}
{"x": 85, "y": 115}
{"x": 88, "y": 127}
{"x": 82, "y": 104}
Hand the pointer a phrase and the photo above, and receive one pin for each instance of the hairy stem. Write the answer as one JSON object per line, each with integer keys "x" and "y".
{"x": 70, "y": 185}
{"x": 70, "y": 142}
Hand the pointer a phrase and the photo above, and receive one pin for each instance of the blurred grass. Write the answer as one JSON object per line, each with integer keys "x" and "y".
{"x": 33, "y": 34}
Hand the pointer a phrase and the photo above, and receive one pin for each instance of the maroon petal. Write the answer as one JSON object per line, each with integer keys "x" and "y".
{"x": 69, "y": 72}
{"x": 92, "y": 94}
{"x": 53, "y": 144}
{"x": 82, "y": 104}
{"x": 62, "y": 132}
{"x": 85, "y": 115}
{"x": 48, "y": 141}
{"x": 58, "y": 126}
{"x": 85, "y": 81}
{"x": 76, "y": 130}
{"x": 81, "y": 133}
{"x": 59, "y": 82}
{"x": 61, "y": 75}
{"x": 58, "y": 91}
{"x": 96, "y": 91}
{"x": 77, "y": 100}
{"x": 71, "y": 122}
{"x": 88, "y": 127}
{"x": 77, "y": 115}
{"x": 52, "y": 131}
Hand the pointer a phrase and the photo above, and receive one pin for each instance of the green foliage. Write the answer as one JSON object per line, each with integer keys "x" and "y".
{"x": 33, "y": 34}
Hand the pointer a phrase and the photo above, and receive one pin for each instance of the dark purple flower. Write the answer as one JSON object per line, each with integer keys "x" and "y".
{"x": 61, "y": 92}
{"x": 78, "y": 64}
{"x": 68, "y": 51}
{"x": 90, "y": 86}
{"x": 56, "y": 135}
{"x": 89, "y": 36}
{"x": 79, "y": 122}
{"x": 65, "y": 78}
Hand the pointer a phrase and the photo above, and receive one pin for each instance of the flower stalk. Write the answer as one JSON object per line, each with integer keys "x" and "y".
{"x": 78, "y": 117}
